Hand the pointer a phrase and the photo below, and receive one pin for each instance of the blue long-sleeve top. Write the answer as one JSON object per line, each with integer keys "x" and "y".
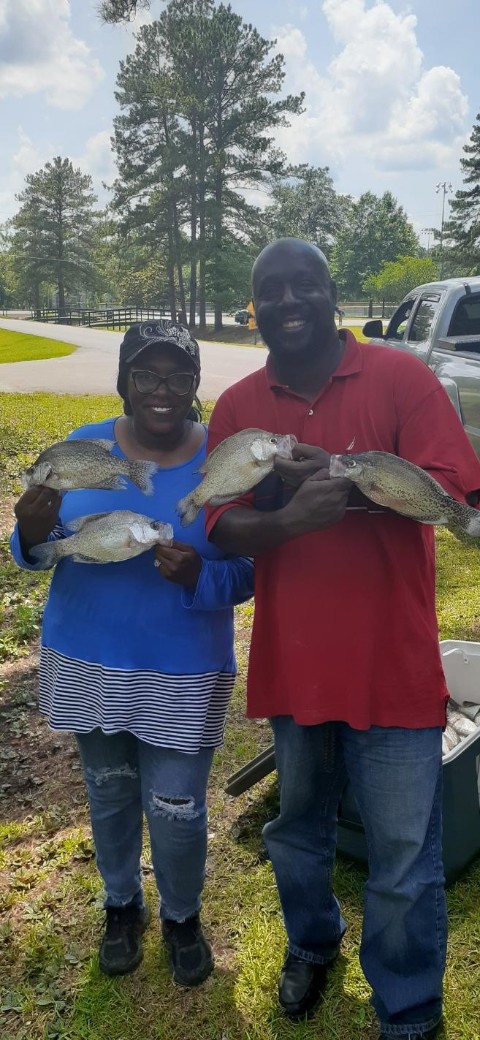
{"x": 127, "y": 622}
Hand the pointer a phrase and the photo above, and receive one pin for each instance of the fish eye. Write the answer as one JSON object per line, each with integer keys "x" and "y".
{"x": 273, "y": 440}
{"x": 350, "y": 463}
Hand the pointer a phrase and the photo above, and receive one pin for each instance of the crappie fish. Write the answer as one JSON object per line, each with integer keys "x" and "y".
{"x": 69, "y": 465}
{"x": 450, "y": 739}
{"x": 235, "y": 466}
{"x": 105, "y": 538}
{"x": 460, "y": 723}
{"x": 407, "y": 489}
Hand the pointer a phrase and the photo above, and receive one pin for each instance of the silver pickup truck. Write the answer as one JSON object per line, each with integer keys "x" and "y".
{"x": 440, "y": 323}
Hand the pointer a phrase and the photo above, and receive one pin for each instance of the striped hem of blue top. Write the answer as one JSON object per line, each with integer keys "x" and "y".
{"x": 183, "y": 712}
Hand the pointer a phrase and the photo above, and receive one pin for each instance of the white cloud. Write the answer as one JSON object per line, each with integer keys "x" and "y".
{"x": 376, "y": 99}
{"x": 97, "y": 159}
{"x": 26, "y": 158}
{"x": 39, "y": 53}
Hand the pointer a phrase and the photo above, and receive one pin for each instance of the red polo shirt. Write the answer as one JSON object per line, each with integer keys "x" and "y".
{"x": 345, "y": 626}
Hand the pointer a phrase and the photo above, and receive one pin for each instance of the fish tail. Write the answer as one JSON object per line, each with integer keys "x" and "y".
{"x": 47, "y": 554}
{"x": 141, "y": 474}
{"x": 187, "y": 510}
{"x": 473, "y": 526}
{"x": 466, "y": 522}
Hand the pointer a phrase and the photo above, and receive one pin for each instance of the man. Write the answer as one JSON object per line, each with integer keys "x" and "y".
{"x": 344, "y": 657}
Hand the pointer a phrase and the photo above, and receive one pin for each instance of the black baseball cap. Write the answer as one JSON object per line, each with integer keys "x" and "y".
{"x": 148, "y": 333}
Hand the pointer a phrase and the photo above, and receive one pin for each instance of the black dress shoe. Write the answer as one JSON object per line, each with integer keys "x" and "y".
{"x": 301, "y": 986}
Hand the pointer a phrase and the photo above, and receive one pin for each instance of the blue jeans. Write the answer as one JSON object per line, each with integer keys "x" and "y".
{"x": 125, "y": 779}
{"x": 396, "y": 775}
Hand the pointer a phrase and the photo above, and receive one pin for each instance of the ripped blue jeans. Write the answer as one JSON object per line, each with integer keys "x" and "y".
{"x": 127, "y": 778}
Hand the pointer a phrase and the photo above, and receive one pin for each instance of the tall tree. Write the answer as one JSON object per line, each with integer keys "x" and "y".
{"x": 462, "y": 232}
{"x": 199, "y": 111}
{"x": 55, "y": 227}
{"x": 306, "y": 206}
{"x": 377, "y": 231}
{"x": 397, "y": 277}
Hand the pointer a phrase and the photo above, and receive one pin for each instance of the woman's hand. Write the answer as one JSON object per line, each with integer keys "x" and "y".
{"x": 307, "y": 461}
{"x": 37, "y": 514}
{"x": 179, "y": 563}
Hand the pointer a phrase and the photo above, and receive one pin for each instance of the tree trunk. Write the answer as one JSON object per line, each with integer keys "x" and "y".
{"x": 218, "y": 218}
{"x": 218, "y": 315}
{"x": 176, "y": 240}
{"x": 202, "y": 247}
{"x": 172, "y": 295}
{"x": 61, "y": 292}
{"x": 192, "y": 321}
{"x": 178, "y": 261}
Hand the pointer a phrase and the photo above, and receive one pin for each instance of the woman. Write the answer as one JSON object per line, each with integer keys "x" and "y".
{"x": 137, "y": 657}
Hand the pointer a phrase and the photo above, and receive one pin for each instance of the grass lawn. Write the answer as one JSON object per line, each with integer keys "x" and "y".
{"x": 50, "y": 895}
{"x": 19, "y": 346}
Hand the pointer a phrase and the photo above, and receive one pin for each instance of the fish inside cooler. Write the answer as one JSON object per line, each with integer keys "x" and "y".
{"x": 461, "y": 767}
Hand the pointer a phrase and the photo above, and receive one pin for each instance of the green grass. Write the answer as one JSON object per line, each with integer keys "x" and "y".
{"x": 50, "y": 898}
{"x": 19, "y": 346}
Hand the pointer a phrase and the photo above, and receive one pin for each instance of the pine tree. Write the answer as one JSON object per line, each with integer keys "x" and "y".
{"x": 54, "y": 228}
{"x": 462, "y": 232}
{"x": 112, "y": 11}
{"x": 199, "y": 111}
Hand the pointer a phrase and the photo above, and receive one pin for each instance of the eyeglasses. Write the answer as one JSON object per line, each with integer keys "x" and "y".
{"x": 178, "y": 383}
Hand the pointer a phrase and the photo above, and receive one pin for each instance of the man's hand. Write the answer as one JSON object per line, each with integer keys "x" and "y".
{"x": 318, "y": 503}
{"x": 37, "y": 514}
{"x": 179, "y": 563}
{"x": 307, "y": 461}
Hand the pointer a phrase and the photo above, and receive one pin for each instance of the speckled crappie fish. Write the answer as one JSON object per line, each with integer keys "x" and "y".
{"x": 105, "y": 538}
{"x": 407, "y": 489}
{"x": 234, "y": 467}
{"x": 69, "y": 465}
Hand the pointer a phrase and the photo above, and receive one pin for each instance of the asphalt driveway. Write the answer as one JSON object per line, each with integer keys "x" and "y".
{"x": 92, "y": 369}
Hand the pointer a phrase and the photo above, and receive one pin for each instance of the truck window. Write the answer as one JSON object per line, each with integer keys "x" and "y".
{"x": 423, "y": 320}
{"x": 398, "y": 323}
{"x": 466, "y": 318}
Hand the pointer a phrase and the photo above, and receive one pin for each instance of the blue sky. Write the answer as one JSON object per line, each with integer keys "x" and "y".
{"x": 392, "y": 89}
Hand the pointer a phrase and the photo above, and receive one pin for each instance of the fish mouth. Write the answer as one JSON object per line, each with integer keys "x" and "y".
{"x": 337, "y": 467}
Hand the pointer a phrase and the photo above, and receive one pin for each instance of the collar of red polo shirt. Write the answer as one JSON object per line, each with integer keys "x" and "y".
{"x": 351, "y": 362}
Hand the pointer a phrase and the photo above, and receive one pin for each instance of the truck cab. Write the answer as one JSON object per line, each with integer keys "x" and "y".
{"x": 439, "y": 322}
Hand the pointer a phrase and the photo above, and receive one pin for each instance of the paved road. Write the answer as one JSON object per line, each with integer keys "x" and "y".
{"x": 92, "y": 369}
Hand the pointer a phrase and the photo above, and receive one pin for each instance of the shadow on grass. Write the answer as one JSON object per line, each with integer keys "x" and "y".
{"x": 39, "y": 770}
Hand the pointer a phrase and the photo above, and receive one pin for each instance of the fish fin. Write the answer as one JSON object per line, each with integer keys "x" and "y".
{"x": 220, "y": 500}
{"x": 187, "y": 510}
{"x": 78, "y": 522}
{"x": 141, "y": 473}
{"x": 46, "y": 554}
{"x": 113, "y": 483}
{"x": 80, "y": 558}
{"x": 108, "y": 445}
{"x": 256, "y": 450}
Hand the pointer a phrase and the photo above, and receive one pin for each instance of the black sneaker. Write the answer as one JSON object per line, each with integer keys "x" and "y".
{"x": 190, "y": 957}
{"x": 121, "y": 947}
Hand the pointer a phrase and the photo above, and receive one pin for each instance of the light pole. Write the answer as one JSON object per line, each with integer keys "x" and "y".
{"x": 443, "y": 186}
{"x": 428, "y": 232}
